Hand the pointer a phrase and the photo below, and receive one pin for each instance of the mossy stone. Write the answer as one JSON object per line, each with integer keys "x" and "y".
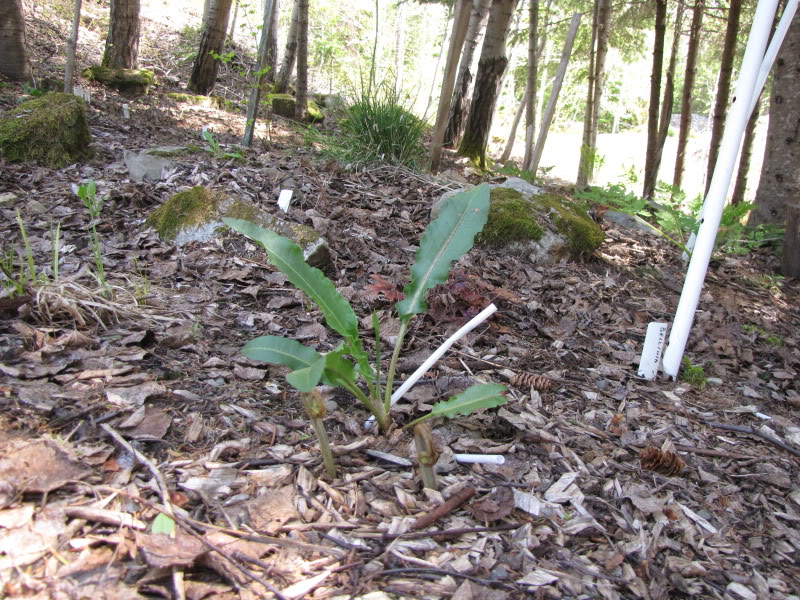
{"x": 510, "y": 219}
{"x": 207, "y": 101}
{"x": 129, "y": 82}
{"x": 196, "y": 206}
{"x": 51, "y": 130}
{"x": 284, "y": 104}
{"x": 583, "y": 235}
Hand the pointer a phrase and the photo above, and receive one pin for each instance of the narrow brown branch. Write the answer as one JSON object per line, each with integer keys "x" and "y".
{"x": 751, "y": 431}
{"x": 444, "y": 509}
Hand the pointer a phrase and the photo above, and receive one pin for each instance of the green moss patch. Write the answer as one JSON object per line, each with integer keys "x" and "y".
{"x": 51, "y": 130}
{"x": 129, "y": 82}
{"x": 207, "y": 101}
{"x": 196, "y": 206}
{"x": 283, "y": 105}
{"x": 583, "y": 235}
{"x": 511, "y": 219}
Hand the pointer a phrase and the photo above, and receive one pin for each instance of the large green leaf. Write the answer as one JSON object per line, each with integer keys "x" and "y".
{"x": 306, "y": 379}
{"x": 288, "y": 257}
{"x": 281, "y": 351}
{"x": 339, "y": 369}
{"x": 445, "y": 240}
{"x": 483, "y": 395}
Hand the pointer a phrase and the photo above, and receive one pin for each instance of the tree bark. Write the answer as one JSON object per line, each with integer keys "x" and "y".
{"x": 530, "y": 91}
{"x": 233, "y": 21}
{"x": 72, "y": 47}
{"x": 122, "y": 43}
{"x": 461, "y": 97}
{"x": 289, "y": 54}
{"x": 742, "y": 172}
{"x": 460, "y": 24}
{"x": 204, "y": 72}
{"x": 687, "y": 96}
{"x": 723, "y": 87}
{"x": 790, "y": 261}
{"x": 301, "y": 98}
{"x": 780, "y": 178}
{"x": 13, "y": 53}
{"x": 400, "y": 49}
{"x": 514, "y": 125}
{"x": 258, "y": 79}
{"x": 491, "y": 67}
{"x": 271, "y": 48}
{"x": 655, "y": 95}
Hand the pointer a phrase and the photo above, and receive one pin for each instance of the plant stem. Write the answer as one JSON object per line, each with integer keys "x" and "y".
{"x": 393, "y": 365}
{"x": 427, "y": 454}
{"x": 315, "y": 407}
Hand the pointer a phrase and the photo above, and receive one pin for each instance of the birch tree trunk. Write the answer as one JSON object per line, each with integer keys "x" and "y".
{"x": 529, "y": 99}
{"x": 72, "y": 47}
{"x": 271, "y": 49}
{"x": 461, "y": 97}
{"x": 289, "y": 54}
{"x": 655, "y": 95}
{"x": 204, "y": 72}
{"x": 400, "y": 49}
{"x": 723, "y": 86}
{"x": 122, "y": 43}
{"x": 13, "y": 53}
{"x": 491, "y": 67}
{"x": 687, "y": 96}
{"x": 746, "y": 156}
{"x": 301, "y": 98}
{"x": 514, "y": 125}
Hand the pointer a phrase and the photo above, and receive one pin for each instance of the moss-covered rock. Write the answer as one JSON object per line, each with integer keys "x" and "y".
{"x": 129, "y": 82}
{"x": 582, "y": 234}
{"x": 510, "y": 220}
{"x": 283, "y": 105}
{"x": 196, "y": 215}
{"x": 51, "y": 130}
{"x": 206, "y": 101}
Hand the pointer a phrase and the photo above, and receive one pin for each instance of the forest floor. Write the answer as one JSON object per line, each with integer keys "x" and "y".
{"x": 116, "y": 407}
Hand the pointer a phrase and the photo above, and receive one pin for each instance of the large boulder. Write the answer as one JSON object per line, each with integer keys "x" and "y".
{"x": 283, "y": 105}
{"x": 51, "y": 130}
{"x": 546, "y": 227}
{"x": 195, "y": 215}
{"x": 129, "y": 82}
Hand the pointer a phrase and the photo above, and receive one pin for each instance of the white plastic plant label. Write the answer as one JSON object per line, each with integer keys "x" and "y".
{"x": 650, "y": 360}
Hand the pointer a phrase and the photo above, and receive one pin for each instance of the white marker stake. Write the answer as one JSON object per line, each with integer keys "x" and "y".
{"x": 651, "y": 353}
{"x": 424, "y": 367}
{"x": 284, "y": 200}
{"x": 738, "y": 116}
{"x": 482, "y": 459}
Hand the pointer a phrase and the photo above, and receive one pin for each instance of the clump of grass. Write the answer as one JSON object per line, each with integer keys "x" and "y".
{"x": 378, "y": 127}
{"x": 694, "y": 375}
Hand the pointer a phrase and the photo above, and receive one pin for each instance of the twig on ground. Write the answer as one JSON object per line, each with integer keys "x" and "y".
{"x": 444, "y": 509}
{"x": 439, "y": 572}
{"x": 755, "y": 432}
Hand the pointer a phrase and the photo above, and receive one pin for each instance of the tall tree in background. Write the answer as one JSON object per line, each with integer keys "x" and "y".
{"x": 271, "y": 49}
{"x": 459, "y": 108}
{"x": 530, "y": 90}
{"x": 655, "y": 96}
{"x": 780, "y": 177}
{"x": 212, "y": 40}
{"x": 600, "y": 33}
{"x": 723, "y": 86}
{"x": 122, "y": 43}
{"x": 746, "y": 156}
{"x": 301, "y": 98}
{"x": 491, "y": 67}
{"x": 289, "y": 53}
{"x": 13, "y": 54}
{"x": 400, "y": 49}
{"x": 688, "y": 91}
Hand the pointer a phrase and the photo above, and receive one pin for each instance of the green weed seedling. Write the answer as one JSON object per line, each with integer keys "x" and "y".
{"x": 348, "y": 366}
{"x": 215, "y": 148}
{"x": 20, "y": 278}
{"x": 694, "y": 375}
{"x": 88, "y": 193}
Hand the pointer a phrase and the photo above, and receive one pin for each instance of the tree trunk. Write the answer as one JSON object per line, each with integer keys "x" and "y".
{"x": 604, "y": 32}
{"x": 491, "y": 67}
{"x": 655, "y": 95}
{"x": 301, "y": 98}
{"x": 400, "y": 49}
{"x": 461, "y": 98}
{"x": 204, "y": 72}
{"x": 258, "y": 76}
{"x": 740, "y": 188}
{"x": 529, "y": 100}
{"x": 460, "y": 24}
{"x": 271, "y": 49}
{"x": 122, "y": 43}
{"x": 666, "y": 102}
{"x": 13, "y": 54}
{"x": 514, "y": 125}
{"x": 72, "y": 47}
{"x": 450, "y": 16}
{"x": 289, "y": 54}
{"x": 686, "y": 97}
{"x": 233, "y": 21}
{"x": 790, "y": 261}
{"x": 780, "y": 178}
{"x": 723, "y": 86}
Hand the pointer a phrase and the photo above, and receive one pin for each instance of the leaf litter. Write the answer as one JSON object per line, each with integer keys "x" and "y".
{"x": 124, "y": 407}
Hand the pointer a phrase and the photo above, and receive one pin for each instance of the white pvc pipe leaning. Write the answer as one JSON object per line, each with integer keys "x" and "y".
{"x": 738, "y": 115}
{"x": 425, "y": 367}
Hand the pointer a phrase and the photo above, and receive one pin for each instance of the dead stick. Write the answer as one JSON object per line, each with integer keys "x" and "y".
{"x": 751, "y": 431}
{"x": 444, "y": 509}
{"x": 450, "y": 532}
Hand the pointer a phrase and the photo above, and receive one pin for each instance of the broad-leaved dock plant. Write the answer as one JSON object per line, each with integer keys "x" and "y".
{"x": 446, "y": 239}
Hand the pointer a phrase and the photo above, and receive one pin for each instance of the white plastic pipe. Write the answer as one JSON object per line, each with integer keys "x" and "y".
{"x": 425, "y": 367}
{"x": 483, "y": 459}
{"x": 738, "y": 115}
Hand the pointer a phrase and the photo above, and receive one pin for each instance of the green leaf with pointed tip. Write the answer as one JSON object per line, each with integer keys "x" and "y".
{"x": 162, "y": 524}
{"x": 445, "y": 240}
{"x": 306, "y": 379}
{"x": 288, "y": 257}
{"x": 339, "y": 369}
{"x": 281, "y": 351}
{"x": 482, "y": 395}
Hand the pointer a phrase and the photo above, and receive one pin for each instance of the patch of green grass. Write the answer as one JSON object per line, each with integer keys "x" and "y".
{"x": 694, "y": 375}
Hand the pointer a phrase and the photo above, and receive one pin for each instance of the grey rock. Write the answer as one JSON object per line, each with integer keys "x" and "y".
{"x": 34, "y": 207}
{"x": 145, "y": 167}
{"x": 7, "y": 197}
{"x": 629, "y": 222}
{"x": 167, "y": 151}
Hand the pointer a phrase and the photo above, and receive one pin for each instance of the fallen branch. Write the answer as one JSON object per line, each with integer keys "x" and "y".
{"x": 755, "y": 432}
{"x": 444, "y": 509}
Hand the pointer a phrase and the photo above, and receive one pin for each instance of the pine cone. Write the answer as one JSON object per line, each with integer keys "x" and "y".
{"x": 538, "y": 382}
{"x": 666, "y": 463}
